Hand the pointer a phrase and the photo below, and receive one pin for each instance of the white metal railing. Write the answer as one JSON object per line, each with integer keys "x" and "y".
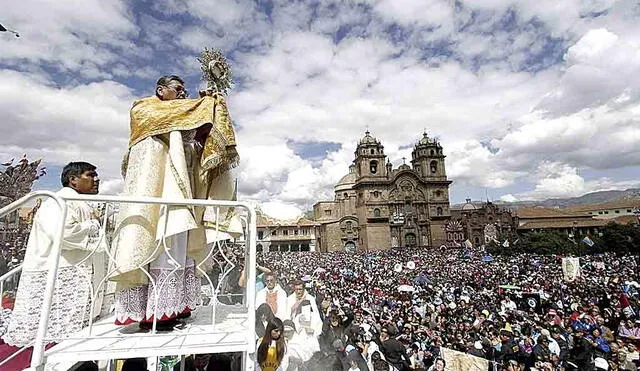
{"x": 218, "y": 252}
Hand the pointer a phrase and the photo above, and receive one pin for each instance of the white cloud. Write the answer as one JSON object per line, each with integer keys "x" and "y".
{"x": 487, "y": 77}
{"x": 82, "y": 123}
{"x": 558, "y": 180}
{"x": 508, "y": 198}
{"x": 281, "y": 211}
{"x": 78, "y": 38}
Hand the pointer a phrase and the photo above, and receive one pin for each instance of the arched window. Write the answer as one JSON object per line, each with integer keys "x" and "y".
{"x": 372, "y": 151}
{"x": 346, "y": 195}
{"x": 348, "y": 225}
{"x": 376, "y": 212}
{"x": 431, "y": 153}
{"x": 439, "y": 211}
{"x": 438, "y": 193}
{"x": 373, "y": 166}
{"x": 434, "y": 166}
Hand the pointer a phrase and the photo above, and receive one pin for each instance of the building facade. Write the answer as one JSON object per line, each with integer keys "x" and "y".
{"x": 281, "y": 235}
{"x": 377, "y": 207}
{"x": 480, "y": 223}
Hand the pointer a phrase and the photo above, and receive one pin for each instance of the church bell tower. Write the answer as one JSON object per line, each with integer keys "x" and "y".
{"x": 370, "y": 158}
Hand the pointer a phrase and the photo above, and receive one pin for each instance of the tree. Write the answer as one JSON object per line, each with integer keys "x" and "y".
{"x": 623, "y": 238}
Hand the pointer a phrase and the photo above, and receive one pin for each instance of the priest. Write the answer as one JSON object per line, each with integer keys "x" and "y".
{"x": 80, "y": 272}
{"x": 179, "y": 149}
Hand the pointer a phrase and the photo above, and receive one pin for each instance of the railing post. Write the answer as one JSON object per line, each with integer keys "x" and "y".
{"x": 38, "y": 347}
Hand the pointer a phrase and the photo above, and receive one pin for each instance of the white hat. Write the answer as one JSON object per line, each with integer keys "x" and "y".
{"x": 477, "y": 345}
{"x": 601, "y": 363}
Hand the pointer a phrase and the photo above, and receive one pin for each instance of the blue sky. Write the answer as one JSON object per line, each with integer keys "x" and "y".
{"x": 530, "y": 99}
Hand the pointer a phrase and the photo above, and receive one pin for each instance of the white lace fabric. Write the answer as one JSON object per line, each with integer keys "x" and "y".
{"x": 70, "y": 306}
{"x": 180, "y": 290}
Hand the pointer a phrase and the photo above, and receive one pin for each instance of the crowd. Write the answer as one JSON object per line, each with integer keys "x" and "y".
{"x": 401, "y": 309}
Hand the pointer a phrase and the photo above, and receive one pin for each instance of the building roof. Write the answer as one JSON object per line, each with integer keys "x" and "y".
{"x": 547, "y": 212}
{"x": 622, "y": 204}
{"x": 564, "y": 223}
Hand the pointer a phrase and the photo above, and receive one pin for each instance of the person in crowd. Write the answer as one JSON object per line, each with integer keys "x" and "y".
{"x": 272, "y": 347}
{"x": 393, "y": 350}
{"x": 273, "y": 295}
{"x": 454, "y": 303}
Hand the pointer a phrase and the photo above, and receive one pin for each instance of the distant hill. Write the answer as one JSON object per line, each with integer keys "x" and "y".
{"x": 587, "y": 199}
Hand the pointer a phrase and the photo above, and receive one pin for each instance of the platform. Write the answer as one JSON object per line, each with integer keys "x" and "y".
{"x": 108, "y": 341}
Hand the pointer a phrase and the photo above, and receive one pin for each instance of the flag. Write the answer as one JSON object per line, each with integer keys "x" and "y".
{"x": 506, "y": 243}
{"x": 625, "y": 306}
{"x": 588, "y": 241}
{"x": 8, "y": 163}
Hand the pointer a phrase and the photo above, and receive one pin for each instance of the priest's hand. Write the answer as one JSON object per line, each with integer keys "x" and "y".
{"x": 206, "y": 93}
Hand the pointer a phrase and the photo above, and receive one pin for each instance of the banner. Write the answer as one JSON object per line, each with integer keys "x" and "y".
{"x": 458, "y": 361}
{"x": 571, "y": 268}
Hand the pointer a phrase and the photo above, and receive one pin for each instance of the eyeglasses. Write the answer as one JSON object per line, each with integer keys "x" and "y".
{"x": 179, "y": 89}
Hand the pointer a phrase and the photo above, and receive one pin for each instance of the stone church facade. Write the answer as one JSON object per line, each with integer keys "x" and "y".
{"x": 376, "y": 207}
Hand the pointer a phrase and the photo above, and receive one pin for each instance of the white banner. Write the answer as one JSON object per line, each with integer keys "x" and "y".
{"x": 571, "y": 268}
{"x": 458, "y": 361}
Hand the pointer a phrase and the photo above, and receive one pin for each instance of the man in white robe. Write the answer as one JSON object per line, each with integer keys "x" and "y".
{"x": 303, "y": 311}
{"x": 274, "y": 296}
{"x": 81, "y": 267}
{"x": 179, "y": 149}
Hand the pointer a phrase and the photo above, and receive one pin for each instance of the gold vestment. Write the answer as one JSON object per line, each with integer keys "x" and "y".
{"x": 158, "y": 165}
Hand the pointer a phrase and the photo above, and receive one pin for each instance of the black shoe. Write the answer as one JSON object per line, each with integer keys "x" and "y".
{"x": 183, "y": 315}
{"x": 165, "y": 326}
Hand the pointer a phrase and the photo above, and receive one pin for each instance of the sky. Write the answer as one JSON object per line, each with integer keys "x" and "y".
{"x": 530, "y": 99}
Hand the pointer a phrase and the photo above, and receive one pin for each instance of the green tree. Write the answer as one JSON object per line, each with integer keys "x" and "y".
{"x": 624, "y": 238}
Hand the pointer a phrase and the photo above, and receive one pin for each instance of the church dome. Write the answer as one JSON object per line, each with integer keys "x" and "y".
{"x": 425, "y": 140}
{"x": 347, "y": 179}
{"x": 368, "y": 139}
{"x": 469, "y": 206}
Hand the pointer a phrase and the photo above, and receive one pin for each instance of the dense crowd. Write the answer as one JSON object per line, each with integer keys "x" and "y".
{"x": 398, "y": 309}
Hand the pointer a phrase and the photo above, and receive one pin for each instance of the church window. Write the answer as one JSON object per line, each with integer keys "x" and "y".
{"x": 438, "y": 193}
{"x": 439, "y": 211}
{"x": 376, "y": 194}
{"x": 431, "y": 153}
{"x": 346, "y": 195}
{"x": 449, "y": 236}
{"x": 434, "y": 166}
{"x": 349, "y": 226}
{"x": 477, "y": 240}
{"x": 285, "y": 232}
{"x": 274, "y": 232}
{"x": 295, "y": 231}
{"x": 327, "y": 212}
{"x": 372, "y": 151}
{"x": 260, "y": 235}
{"x": 376, "y": 212}
{"x": 373, "y": 166}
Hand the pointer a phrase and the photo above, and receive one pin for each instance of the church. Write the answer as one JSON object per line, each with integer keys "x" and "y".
{"x": 376, "y": 206}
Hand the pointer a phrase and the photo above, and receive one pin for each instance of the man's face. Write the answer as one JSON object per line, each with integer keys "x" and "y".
{"x": 173, "y": 90}
{"x": 87, "y": 183}
{"x": 299, "y": 290}
{"x": 271, "y": 282}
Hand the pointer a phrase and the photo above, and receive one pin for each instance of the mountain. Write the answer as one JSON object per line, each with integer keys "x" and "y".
{"x": 587, "y": 199}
